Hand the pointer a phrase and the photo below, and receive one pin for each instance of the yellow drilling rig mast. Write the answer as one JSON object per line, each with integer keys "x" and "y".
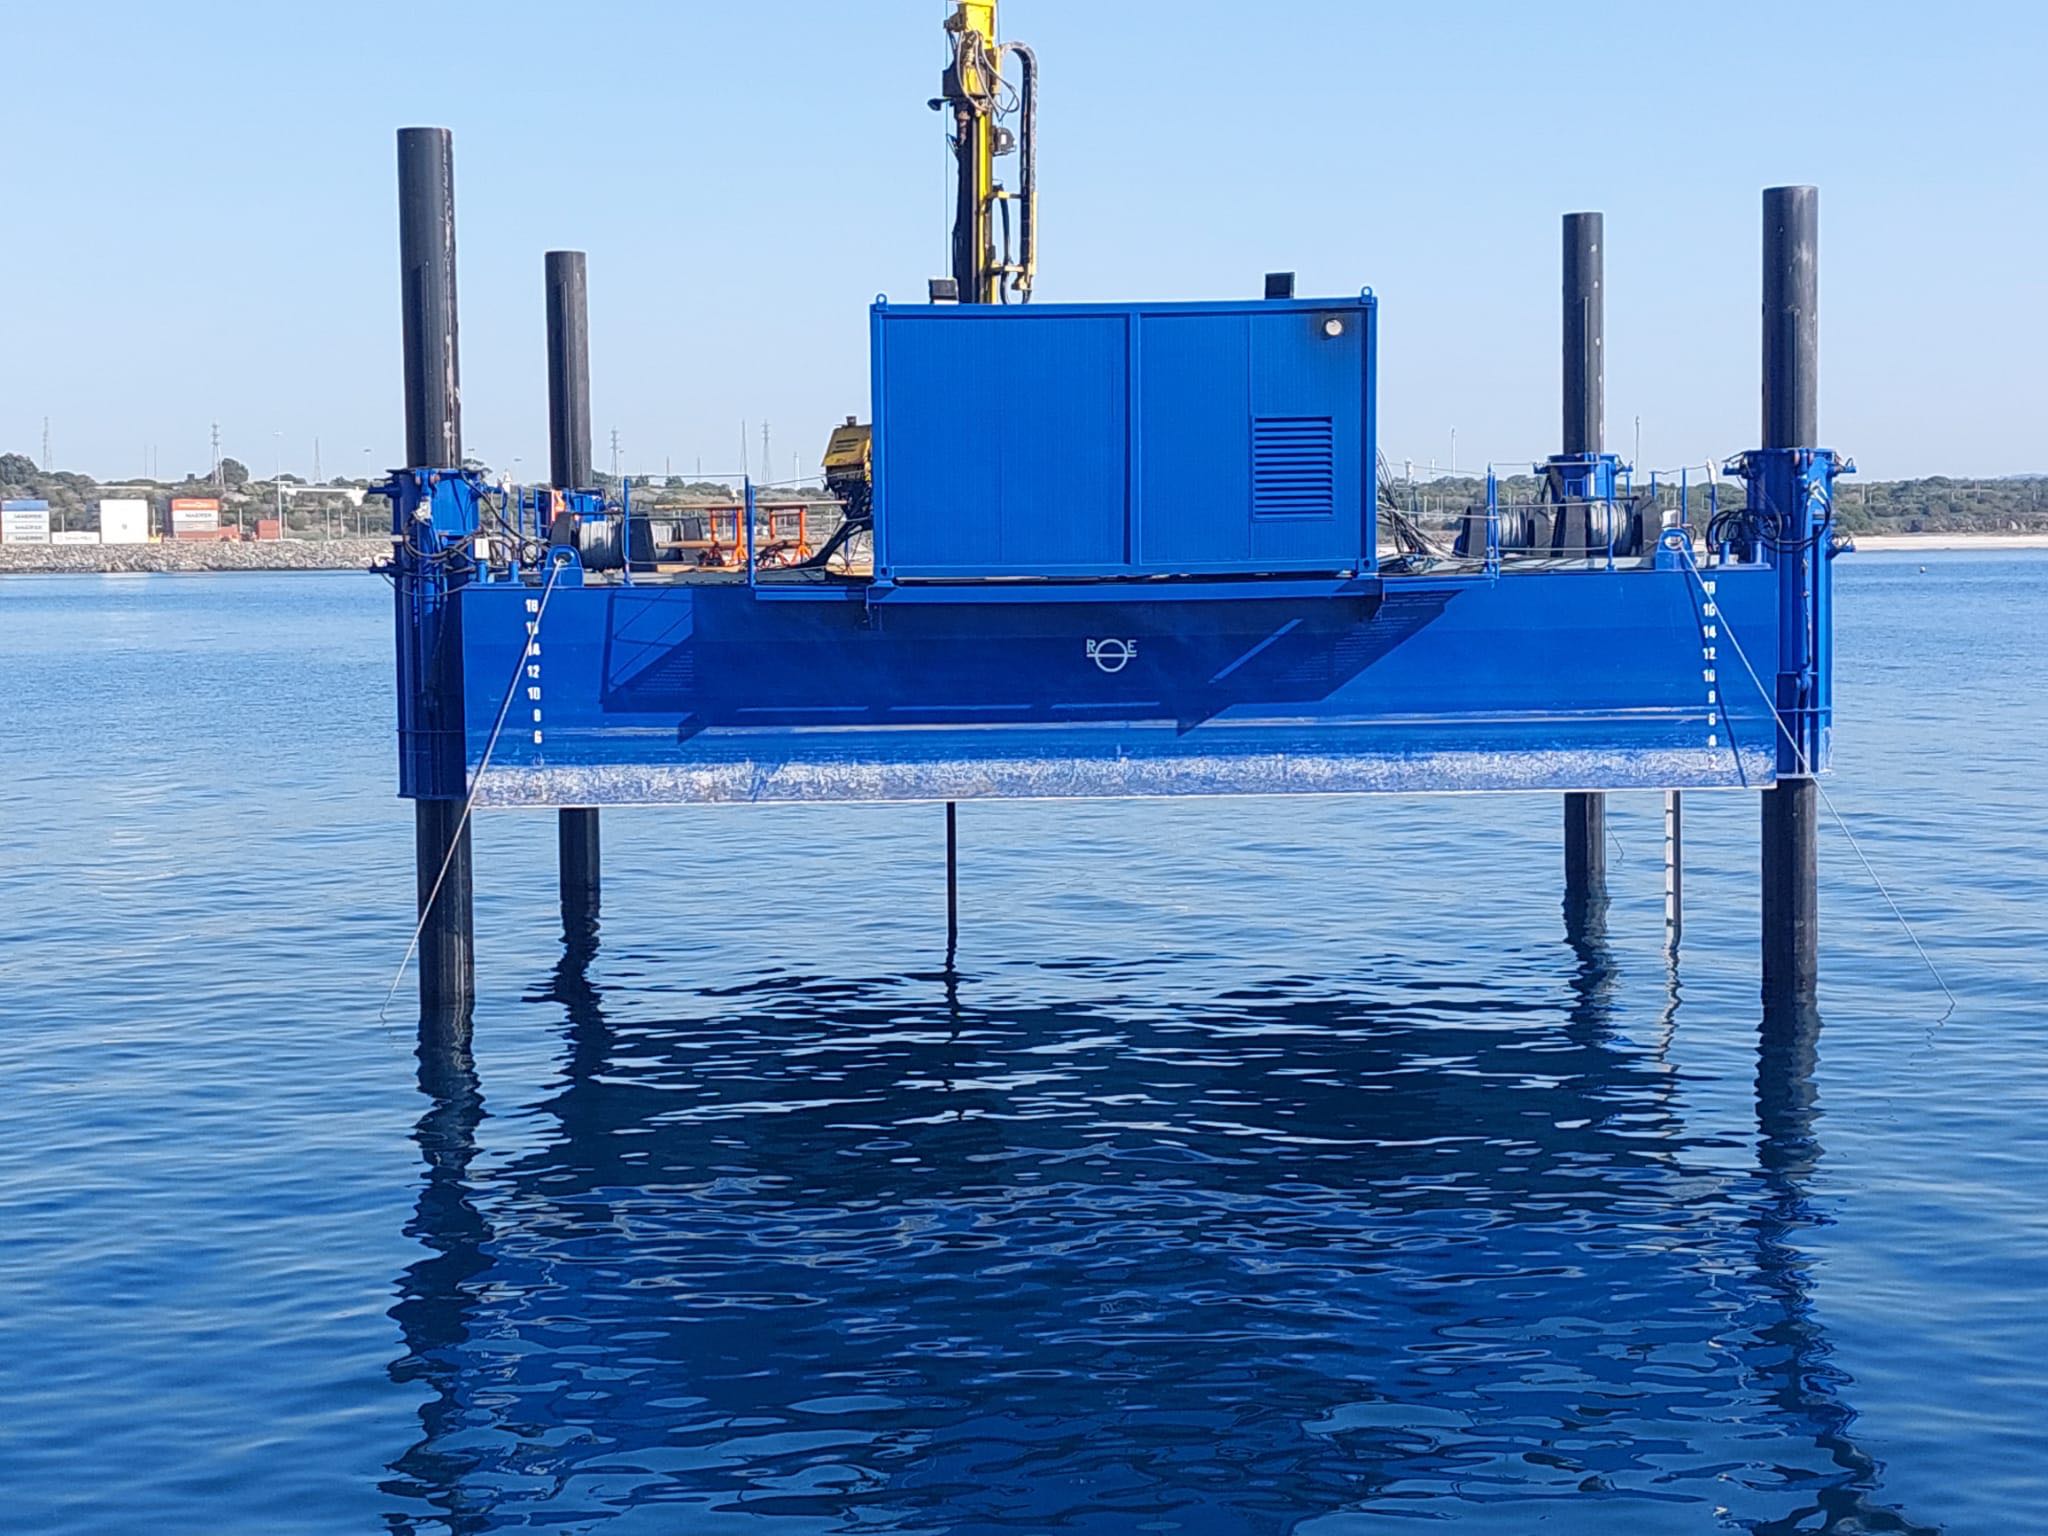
{"x": 987, "y": 86}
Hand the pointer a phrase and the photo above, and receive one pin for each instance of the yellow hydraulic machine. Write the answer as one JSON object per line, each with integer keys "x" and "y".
{"x": 989, "y": 266}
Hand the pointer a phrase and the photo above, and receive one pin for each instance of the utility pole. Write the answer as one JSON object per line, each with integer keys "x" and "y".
{"x": 1637, "y": 457}
{"x": 47, "y": 465}
{"x": 216, "y": 455}
{"x": 767, "y": 463}
{"x": 277, "y": 482}
{"x": 316, "y": 458}
{"x": 615, "y": 454}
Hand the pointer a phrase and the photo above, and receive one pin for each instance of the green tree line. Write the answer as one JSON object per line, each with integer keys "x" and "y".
{"x": 1933, "y": 504}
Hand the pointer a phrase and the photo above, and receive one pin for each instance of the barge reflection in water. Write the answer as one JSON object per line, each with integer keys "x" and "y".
{"x": 865, "y": 1255}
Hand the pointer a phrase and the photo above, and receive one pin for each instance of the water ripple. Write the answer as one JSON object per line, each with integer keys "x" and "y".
{"x": 1260, "y": 1172}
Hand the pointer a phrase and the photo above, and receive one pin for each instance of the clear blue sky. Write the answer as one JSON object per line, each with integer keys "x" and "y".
{"x": 201, "y": 210}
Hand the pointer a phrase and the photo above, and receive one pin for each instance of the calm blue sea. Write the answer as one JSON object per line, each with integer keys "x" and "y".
{"x": 1269, "y": 1167}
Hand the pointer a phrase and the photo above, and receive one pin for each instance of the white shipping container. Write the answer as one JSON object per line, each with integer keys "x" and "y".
{"x": 24, "y": 525}
{"x": 124, "y": 520}
{"x": 74, "y": 536}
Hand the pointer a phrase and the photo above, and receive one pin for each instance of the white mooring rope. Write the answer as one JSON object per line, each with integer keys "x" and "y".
{"x": 1806, "y": 766}
{"x": 469, "y": 801}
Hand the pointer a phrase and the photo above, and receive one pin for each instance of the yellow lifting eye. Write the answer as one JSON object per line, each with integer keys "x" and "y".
{"x": 1333, "y": 326}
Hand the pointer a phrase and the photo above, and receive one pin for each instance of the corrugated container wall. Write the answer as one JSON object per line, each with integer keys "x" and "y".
{"x": 1102, "y": 440}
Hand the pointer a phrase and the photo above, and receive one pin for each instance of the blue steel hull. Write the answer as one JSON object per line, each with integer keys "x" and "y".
{"x": 704, "y": 693}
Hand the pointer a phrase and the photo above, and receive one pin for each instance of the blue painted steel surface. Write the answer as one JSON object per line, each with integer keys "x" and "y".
{"x": 1112, "y": 440}
{"x": 1791, "y": 506}
{"x": 1581, "y": 679}
{"x": 432, "y": 511}
{"x": 1000, "y": 442}
{"x": 1592, "y": 477}
{"x": 1494, "y": 679}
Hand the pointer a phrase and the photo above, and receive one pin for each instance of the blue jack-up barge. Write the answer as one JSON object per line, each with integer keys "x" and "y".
{"x": 1151, "y": 568}
{"x": 1110, "y": 550}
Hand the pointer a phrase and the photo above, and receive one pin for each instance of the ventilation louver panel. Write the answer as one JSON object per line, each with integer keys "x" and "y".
{"x": 1294, "y": 469}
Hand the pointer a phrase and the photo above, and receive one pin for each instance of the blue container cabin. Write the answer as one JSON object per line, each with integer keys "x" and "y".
{"x": 1106, "y": 441}
{"x": 1138, "y": 556}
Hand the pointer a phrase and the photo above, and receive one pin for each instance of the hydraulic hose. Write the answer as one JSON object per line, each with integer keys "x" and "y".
{"x": 1027, "y": 170}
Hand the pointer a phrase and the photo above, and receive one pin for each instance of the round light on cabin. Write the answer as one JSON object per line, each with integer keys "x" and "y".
{"x": 1333, "y": 326}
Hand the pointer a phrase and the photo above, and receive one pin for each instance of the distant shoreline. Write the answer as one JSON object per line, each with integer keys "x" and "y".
{"x": 360, "y": 554}
{"x": 174, "y": 557}
{"x": 1952, "y": 541}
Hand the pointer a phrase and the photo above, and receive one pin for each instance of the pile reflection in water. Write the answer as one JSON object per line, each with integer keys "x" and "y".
{"x": 839, "y": 1255}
